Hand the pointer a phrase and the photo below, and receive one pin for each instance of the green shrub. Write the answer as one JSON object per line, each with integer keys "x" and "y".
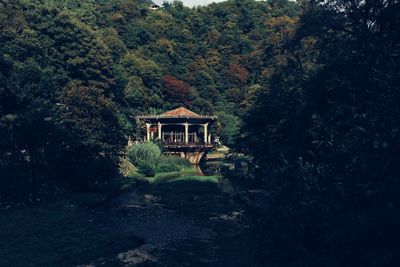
{"x": 145, "y": 152}
{"x": 145, "y": 157}
{"x": 148, "y": 160}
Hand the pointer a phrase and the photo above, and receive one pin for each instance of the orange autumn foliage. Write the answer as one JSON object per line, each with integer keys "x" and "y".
{"x": 178, "y": 91}
{"x": 238, "y": 74}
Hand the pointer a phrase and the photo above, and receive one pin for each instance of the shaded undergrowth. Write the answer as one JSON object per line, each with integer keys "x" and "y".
{"x": 58, "y": 234}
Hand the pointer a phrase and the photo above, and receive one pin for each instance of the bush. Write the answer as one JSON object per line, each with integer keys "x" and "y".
{"x": 145, "y": 157}
{"x": 148, "y": 160}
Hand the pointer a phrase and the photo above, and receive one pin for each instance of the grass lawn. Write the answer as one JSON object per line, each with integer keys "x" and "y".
{"x": 201, "y": 179}
{"x": 169, "y": 176}
{"x": 57, "y": 234}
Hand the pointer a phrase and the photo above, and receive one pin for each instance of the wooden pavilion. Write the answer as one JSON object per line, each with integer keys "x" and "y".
{"x": 181, "y": 131}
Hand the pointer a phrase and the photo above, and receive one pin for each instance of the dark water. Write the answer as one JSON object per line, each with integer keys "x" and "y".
{"x": 235, "y": 175}
{"x": 225, "y": 167}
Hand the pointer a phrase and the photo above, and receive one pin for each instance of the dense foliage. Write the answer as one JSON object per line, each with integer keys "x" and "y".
{"x": 73, "y": 74}
{"x": 57, "y": 111}
{"x": 325, "y": 135}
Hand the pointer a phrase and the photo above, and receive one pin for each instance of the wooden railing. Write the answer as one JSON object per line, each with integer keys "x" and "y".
{"x": 186, "y": 144}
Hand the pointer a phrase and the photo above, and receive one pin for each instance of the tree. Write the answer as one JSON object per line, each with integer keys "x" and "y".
{"x": 90, "y": 133}
{"x": 42, "y": 50}
{"x": 323, "y": 138}
{"x": 142, "y": 81}
{"x": 85, "y": 11}
{"x": 238, "y": 74}
{"x": 178, "y": 92}
{"x": 230, "y": 126}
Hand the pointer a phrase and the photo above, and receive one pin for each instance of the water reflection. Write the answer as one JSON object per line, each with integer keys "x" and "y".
{"x": 225, "y": 168}
{"x": 233, "y": 174}
{"x": 216, "y": 167}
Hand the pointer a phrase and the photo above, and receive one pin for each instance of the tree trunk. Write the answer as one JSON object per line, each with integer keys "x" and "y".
{"x": 34, "y": 178}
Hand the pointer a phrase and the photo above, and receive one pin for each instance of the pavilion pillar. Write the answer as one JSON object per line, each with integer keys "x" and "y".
{"x": 209, "y": 135}
{"x": 186, "y": 133}
{"x": 206, "y": 133}
{"x": 148, "y": 132}
{"x": 159, "y": 130}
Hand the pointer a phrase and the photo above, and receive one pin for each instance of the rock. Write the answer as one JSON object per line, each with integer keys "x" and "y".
{"x": 136, "y": 256}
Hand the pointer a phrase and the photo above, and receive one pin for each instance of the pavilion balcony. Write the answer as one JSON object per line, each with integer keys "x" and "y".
{"x": 178, "y": 139}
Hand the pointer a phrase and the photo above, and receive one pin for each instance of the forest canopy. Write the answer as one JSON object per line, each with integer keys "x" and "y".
{"x": 74, "y": 73}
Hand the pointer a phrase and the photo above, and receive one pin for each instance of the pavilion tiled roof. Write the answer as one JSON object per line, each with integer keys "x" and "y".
{"x": 176, "y": 114}
{"x": 180, "y": 112}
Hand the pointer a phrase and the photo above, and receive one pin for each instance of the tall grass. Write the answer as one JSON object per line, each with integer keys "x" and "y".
{"x": 145, "y": 157}
{"x": 172, "y": 164}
